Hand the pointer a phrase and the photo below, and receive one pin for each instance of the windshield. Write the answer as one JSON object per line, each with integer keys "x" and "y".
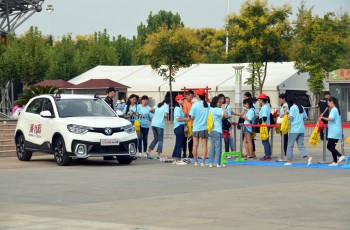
{"x": 83, "y": 108}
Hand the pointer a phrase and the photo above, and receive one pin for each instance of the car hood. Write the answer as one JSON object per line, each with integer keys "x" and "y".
{"x": 97, "y": 122}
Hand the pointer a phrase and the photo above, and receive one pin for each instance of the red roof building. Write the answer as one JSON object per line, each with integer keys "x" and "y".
{"x": 100, "y": 84}
{"x": 62, "y": 84}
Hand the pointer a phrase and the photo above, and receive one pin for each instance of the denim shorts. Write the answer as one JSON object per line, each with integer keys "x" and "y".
{"x": 201, "y": 134}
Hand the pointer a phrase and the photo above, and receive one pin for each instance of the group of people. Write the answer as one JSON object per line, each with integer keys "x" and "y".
{"x": 192, "y": 110}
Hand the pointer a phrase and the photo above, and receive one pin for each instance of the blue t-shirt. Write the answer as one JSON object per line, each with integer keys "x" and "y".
{"x": 265, "y": 111}
{"x": 297, "y": 120}
{"x": 251, "y": 116}
{"x": 178, "y": 113}
{"x": 158, "y": 117}
{"x": 282, "y": 109}
{"x": 200, "y": 114}
{"x": 334, "y": 127}
{"x": 131, "y": 108}
{"x": 217, "y": 113}
{"x": 144, "y": 115}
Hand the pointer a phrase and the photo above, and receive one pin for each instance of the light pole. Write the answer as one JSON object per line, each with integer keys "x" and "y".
{"x": 50, "y": 9}
{"x": 228, "y": 14}
{"x": 238, "y": 87}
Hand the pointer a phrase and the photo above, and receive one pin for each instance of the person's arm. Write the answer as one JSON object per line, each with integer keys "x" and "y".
{"x": 224, "y": 114}
{"x": 330, "y": 116}
{"x": 237, "y": 114}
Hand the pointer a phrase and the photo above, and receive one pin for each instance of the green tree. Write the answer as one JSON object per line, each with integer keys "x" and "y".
{"x": 168, "y": 50}
{"x": 36, "y": 90}
{"x": 260, "y": 34}
{"x": 124, "y": 50}
{"x": 321, "y": 45}
{"x": 31, "y": 53}
{"x": 212, "y": 45}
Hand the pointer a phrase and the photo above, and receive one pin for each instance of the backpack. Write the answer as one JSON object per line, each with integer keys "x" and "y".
{"x": 210, "y": 123}
{"x": 226, "y": 124}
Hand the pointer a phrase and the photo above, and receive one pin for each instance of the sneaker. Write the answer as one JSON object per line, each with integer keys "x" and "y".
{"x": 174, "y": 162}
{"x": 145, "y": 155}
{"x": 309, "y": 161}
{"x": 195, "y": 163}
{"x": 333, "y": 164}
{"x": 149, "y": 157}
{"x": 288, "y": 164}
{"x": 220, "y": 166}
{"x": 139, "y": 155}
{"x": 184, "y": 156}
{"x": 211, "y": 165}
{"x": 265, "y": 158}
{"x": 341, "y": 159}
{"x": 203, "y": 164}
{"x": 180, "y": 163}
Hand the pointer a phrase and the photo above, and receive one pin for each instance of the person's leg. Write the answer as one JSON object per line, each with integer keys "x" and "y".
{"x": 291, "y": 139}
{"x": 227, "y": 145}
{"x": 155, "y": 139}
{"x": 248, "y": 137}
{"x": 267, "y": 148}
{"x": 230, "y": 141}
{"x": 285, "y": 143}
{"x": 160, "y": 140}
{"x": 212, "y": 147}
{"x": 204, "y": 148}
{"x": 246, "y": 145}
{"x": 184, "y": 147}
{"x": 302, "y": 148}
{"x": 195, "y": 148}
{"x": 217, "y": 148}
{"x": 145, "y": 138}
{"x": 178, "y": 142}
{"x": 190, "y": 148}
{"x": 140, "y": 137}
{"x": 331, "y": 147}
{"x": 253, "y": 143}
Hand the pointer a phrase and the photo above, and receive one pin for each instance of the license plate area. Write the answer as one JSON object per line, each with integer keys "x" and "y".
{"x": 109, "y": 142}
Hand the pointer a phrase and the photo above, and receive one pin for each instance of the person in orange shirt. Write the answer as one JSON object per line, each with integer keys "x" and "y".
{"x": 186, "y": 110}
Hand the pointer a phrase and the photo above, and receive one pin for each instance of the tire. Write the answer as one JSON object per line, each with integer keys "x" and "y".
{"x": 59, "y": 151}
{"x": 22, "y": 153}
{"x": 125, "y": 160}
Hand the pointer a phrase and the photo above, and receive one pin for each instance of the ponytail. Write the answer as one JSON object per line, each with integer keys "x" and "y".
{"x": 202, "y": 97}
{"x": 166, "y": 100}
{"x": 336, "y": 103}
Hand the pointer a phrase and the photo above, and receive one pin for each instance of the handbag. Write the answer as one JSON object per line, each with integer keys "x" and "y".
{"x": 264, "y": 132}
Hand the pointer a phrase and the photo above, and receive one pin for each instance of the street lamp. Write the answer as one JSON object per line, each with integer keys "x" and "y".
{"x": 50, "y": 9}
{"x": 238, "y": 87}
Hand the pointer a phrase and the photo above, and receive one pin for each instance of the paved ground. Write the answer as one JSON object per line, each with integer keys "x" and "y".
{"x": 95, "y": 194}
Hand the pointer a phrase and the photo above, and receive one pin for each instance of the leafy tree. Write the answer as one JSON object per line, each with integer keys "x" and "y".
{"x": 124, "y": 49}
{"x": 32, "y": 57}
{"x": 36, "y": 90}
{"x": 321, "y": 45}
{"x": 212, "y": 45}
{"x": 259, "y": 35}
{"x": 168, "y": 50}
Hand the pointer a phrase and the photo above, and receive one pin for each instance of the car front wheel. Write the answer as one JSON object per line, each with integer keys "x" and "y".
{"x": 59, "y": 150}
{"x": 22, "y": 153}
{"x": 124, "y": 160}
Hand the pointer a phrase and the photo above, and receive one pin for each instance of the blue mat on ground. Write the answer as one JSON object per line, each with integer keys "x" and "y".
{"x": 281, "y": 164}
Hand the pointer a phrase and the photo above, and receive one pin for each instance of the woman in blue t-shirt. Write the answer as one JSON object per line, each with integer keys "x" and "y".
{"x": 296, "y": 132}
{"x": 335, "y": 132}
{"x": 179, "y": 127}
{"x": 161, "y": 112}
{"x": 199, "y": 114}
{"x": 249, "y": 119}
{"x": 264, "y": 116}
{"x": 130, "y": 109}
{"x": 282, "y": 98}
{"x": 144, "y": 115}
{"x": 218, "y": 112}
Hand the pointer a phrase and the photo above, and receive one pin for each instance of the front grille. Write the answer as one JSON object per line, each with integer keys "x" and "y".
{"x": 97, "y": 149}
{"x": 102, "y": 130}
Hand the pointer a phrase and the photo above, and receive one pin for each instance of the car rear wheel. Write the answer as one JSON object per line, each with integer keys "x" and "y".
{"x": 22, "y": 153}
{"x": 124, "y": 160}
{"x": 59, "y": 151}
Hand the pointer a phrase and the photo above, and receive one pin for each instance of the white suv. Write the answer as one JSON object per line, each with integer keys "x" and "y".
{"x": 74, "y": 126}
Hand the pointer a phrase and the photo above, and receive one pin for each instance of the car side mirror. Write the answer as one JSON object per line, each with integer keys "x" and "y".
{"x": 46, "y": 114}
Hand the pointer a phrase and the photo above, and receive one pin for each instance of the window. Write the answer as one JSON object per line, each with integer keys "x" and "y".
{"x": 48, "y": 106}
{"x": 35, "y": 106}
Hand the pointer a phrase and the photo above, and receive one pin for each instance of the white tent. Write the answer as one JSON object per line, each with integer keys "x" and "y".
{"x": 220, "y": 78}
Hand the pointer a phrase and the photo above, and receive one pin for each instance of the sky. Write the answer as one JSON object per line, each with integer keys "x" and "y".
{"x": 81, "y": 17}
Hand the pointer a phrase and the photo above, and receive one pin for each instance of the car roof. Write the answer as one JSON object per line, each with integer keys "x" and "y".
{"x": 69, "y": 96}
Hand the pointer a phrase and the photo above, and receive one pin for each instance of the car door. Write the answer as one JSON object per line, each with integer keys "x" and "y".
{"x": 47, "y": 124}
{"x": 32, "y": 127}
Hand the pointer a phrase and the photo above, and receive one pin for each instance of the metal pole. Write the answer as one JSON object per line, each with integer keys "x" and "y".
{"x": 235, "y": 136}
{"x": 282, "y": 148}
{"x": 342, "y": 143}
{"x": 324, "y": 160}
{"x": 271, "y": 142}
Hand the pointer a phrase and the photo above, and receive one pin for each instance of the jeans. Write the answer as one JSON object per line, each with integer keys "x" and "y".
{"x": 331, "y": 147}
{"x": 285, "y": 143}
{"x": 215, "y": 148}
{"x": 299, "y": 138}
{"x": 143, "y": 137}
{"x": 229, "y": 143}
{"x": 180, "y": 135}
{"x": 158, "y": 134}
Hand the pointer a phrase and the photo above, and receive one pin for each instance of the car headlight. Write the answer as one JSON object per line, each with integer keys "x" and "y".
{"x": 78, "y": 129}
{"x": 129, "y": 128}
